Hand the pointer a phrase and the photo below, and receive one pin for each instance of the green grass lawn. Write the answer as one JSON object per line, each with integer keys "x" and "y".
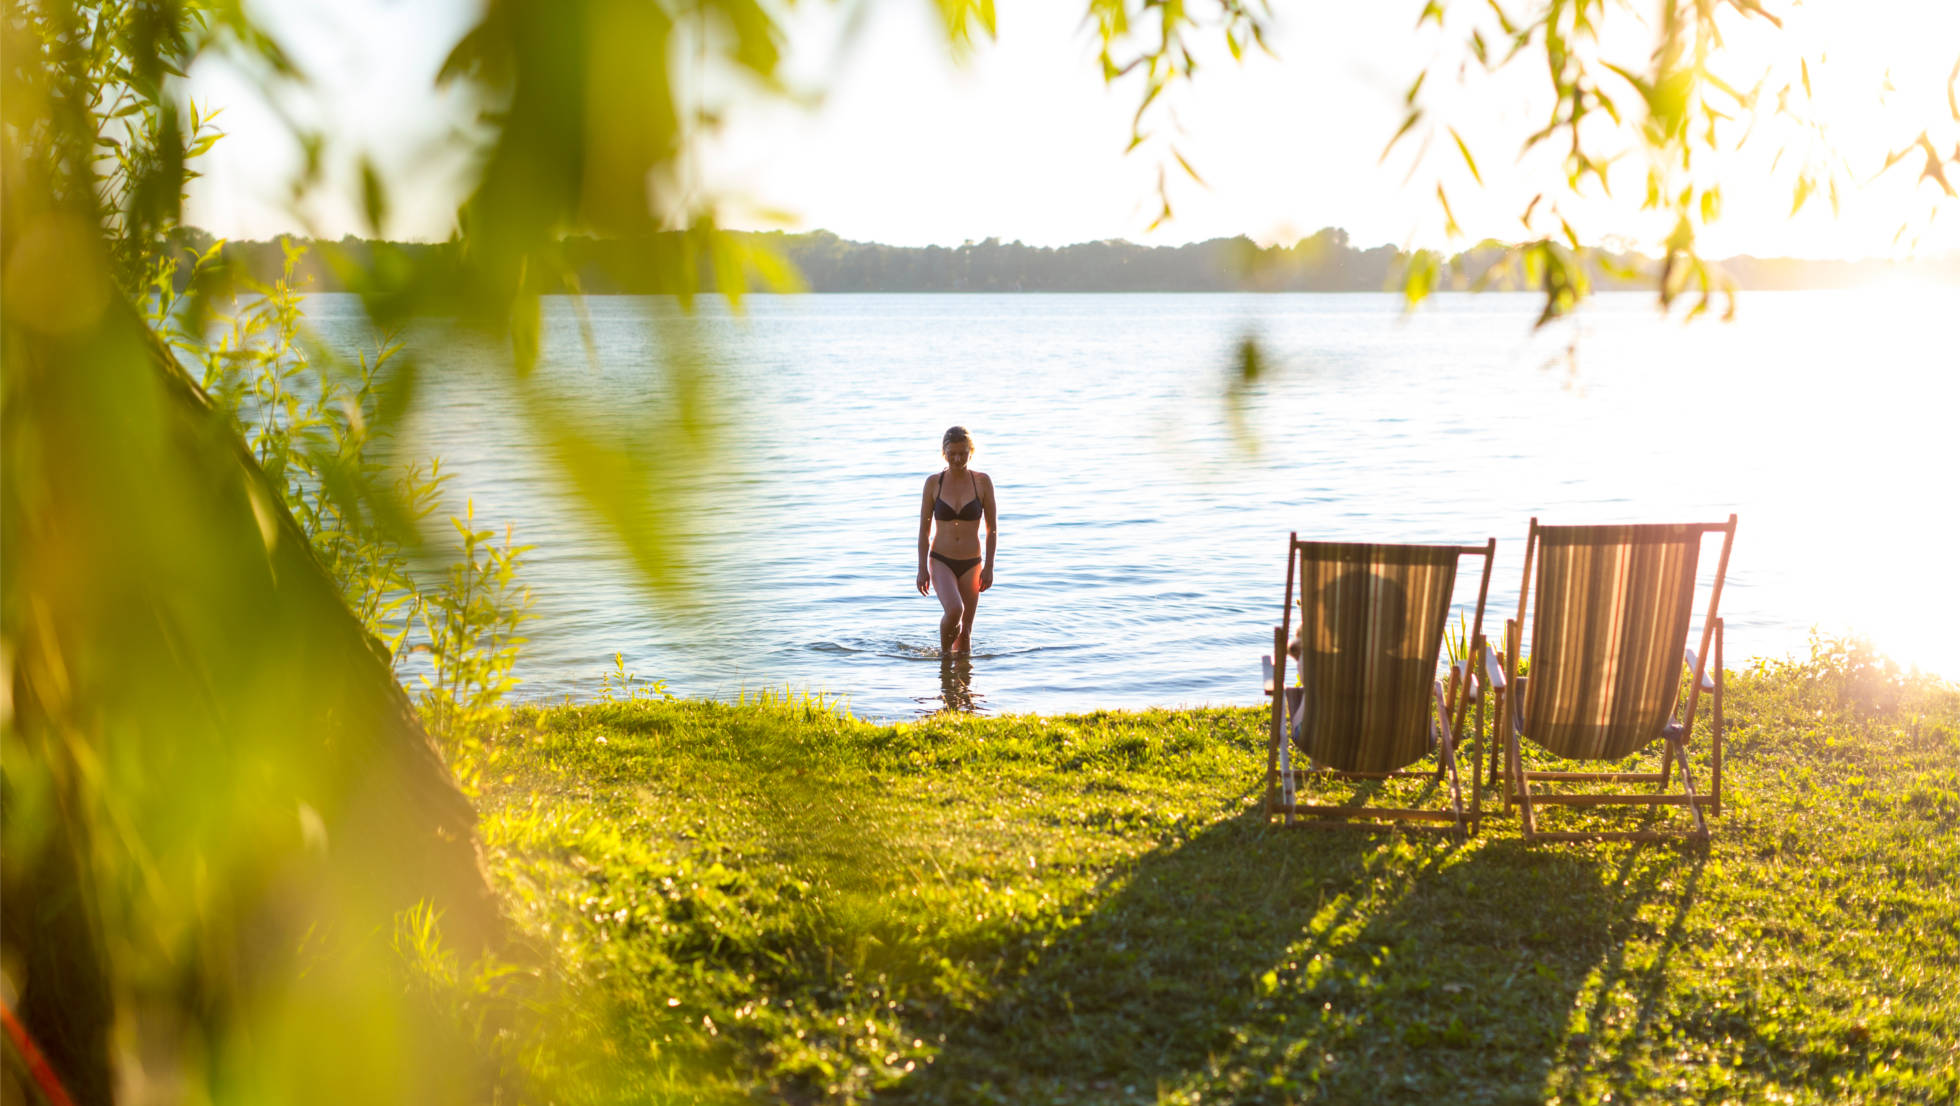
{"x": 777, "y": 902}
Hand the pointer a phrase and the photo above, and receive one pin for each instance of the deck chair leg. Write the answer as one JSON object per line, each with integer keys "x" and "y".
{"x": 1680, "y": 749}
{"x": 1513, "y": 761}
{"x": 1457, "y": 791}
{"x": 1501, "y": 751}
{"x": 1477, "y": 775}
{"x": 1500, "y": 778}
{"x": 1274, "y": 781}
{"x": 1464, "y": 827}
{"x": 1715, "y": 769}
{"x": 1522, "y": 782}
{"x": 1497, "y": 705}
{"x": 1442, "y": 722}
{"x": 1288, "y": 795}
{"x": 1295, "y": 704}
{"x": 1506, "y": 710}
{"x": 1446, "y": 761}
{"x": 1667, "y": 769}
{"x": 1667, "y": 762}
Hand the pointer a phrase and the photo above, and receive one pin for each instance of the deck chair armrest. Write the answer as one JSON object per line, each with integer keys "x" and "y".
{"x": 1707, "y": 681}
{"x": 1463, "y": 671}
{"x": 1494, "y": 669}
{"x": 1266, "y": 668}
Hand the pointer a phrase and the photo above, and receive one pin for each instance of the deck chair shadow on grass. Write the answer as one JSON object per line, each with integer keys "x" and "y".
{"x": 1609, "y": 637}
{"x": 1368, "y": 703}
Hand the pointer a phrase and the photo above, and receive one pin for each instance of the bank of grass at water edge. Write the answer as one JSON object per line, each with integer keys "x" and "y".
{"x": 775, "y": 901}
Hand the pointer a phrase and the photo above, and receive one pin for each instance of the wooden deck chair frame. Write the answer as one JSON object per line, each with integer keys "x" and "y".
{"x": 1450, "y": 707}
{"x": 1509, "y": 693}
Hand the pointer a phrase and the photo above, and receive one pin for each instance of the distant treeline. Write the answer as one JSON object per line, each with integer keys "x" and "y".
{"x": 1324, "y": 262}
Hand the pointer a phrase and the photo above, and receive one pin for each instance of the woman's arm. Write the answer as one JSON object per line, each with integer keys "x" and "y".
{"x": 993, "y": 532}
{"x": 925, "y": 533}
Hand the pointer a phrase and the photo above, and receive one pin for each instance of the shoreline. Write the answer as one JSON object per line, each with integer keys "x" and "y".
{"x": 1856, "y": 654}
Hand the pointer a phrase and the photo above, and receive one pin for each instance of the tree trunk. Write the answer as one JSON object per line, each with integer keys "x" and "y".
{"x": 217, "y": 797}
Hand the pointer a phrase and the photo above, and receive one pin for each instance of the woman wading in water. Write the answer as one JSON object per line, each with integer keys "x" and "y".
{"x": 950, "y": 511}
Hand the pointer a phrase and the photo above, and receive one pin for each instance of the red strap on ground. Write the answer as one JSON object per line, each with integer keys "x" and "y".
{"x": 37, "y": 1064}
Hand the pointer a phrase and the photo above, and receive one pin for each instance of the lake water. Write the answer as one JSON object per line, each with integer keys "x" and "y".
{"x": 1145, "y": 504}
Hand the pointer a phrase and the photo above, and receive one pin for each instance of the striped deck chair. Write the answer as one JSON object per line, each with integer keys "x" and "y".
{"x": 1608, "y": 640}
{"x": 1368, "y": 703}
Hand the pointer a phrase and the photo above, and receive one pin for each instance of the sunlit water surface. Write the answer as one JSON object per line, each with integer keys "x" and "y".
{"x": 1145, "y": 506}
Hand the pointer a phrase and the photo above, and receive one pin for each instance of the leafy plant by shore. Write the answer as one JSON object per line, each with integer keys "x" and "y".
{"x": 775, "y": 900}
{"x": 472, "y": 622}
{"x": 315, "y": 424}
{"x": 321, "y": 429}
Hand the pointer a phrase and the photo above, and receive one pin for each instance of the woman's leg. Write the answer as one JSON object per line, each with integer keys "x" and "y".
{"x": 969, "y": 599}
{"x": 950, "y": 601}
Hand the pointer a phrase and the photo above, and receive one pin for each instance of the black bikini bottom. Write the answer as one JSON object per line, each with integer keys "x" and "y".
{"x": 960, "y": 566}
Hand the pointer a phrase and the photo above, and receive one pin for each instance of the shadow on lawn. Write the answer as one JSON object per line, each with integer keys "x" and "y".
{"x": 1254, "y": 963}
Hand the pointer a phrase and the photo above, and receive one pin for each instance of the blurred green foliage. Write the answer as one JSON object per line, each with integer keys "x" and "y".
{"x": 1683, "y": 113}
{"x": 216, "y": 796}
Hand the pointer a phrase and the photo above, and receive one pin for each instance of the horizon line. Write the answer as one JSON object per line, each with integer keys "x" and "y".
{"x": 1947, "y": 257}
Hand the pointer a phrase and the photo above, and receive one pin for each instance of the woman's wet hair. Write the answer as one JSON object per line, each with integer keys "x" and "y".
{"x": 958, "y": 436}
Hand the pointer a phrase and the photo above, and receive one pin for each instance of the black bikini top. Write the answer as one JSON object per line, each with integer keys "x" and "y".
{"x": 944, "y": 512}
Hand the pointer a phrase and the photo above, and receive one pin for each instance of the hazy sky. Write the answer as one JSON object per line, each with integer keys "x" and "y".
{"x": 1025, "y": 141}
